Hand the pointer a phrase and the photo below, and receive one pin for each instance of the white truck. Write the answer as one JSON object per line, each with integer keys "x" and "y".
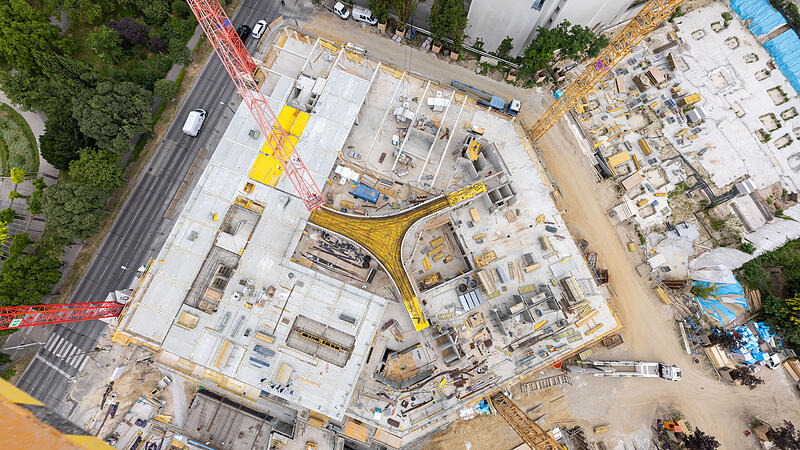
{"x": 194, "y": 121}
{"x": 337, "y": 8}
{"x": 628, "y": 369}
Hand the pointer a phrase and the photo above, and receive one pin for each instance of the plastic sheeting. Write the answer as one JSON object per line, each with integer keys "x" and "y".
{"x": 764, "y": 17}
{"x": 786, "y": 51}
{"x": 724, "y": 297}
{"x": 717, "y": 265}
{"x": 750, "y": 350}
{"x": 785, "y": 48}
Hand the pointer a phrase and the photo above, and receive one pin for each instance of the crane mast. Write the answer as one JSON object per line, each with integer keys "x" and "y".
{"x": 240, "y": 67}
{"x": 649, "y": 17}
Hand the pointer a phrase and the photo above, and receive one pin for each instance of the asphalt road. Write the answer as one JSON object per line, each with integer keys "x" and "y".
{"x": 140, "y": 229}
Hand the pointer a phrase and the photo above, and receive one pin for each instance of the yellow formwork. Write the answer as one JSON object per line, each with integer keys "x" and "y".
{"x": 466, "y": 193}
{"x": 382, "y": 236}
{"x": 268, "y": 168}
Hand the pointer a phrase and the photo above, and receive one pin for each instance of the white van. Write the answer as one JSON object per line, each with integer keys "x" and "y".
{"x": 194, "y": 122}
{"x": 362, "y": 14}
{"x": 355, "y": 48}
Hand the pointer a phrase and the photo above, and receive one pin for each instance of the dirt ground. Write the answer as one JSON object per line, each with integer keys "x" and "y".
{"x": 629, "y": 407}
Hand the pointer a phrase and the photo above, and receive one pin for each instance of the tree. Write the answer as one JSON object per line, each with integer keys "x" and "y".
{"x": 98, "y": 168}
{"x": 70, "y": 73}
{"x": 404, "y": 9}
{"x": 505, "y": 47}
{"x": 777, "y": 314}
{"x": 565, "y": 40}
{"x": 131, "y": 31}
{"x": 156, "y": 45}
{"x": 24, "y": 89}
{"x": 154, "y": 11}
{"x": 785, "y": 437}
{"x": 106, "y": 43}
{"x": 704, "y": 290}
{"x": 745, "y": 375}
{"x": 540, "y": 51}
{"x": 24, "y": 32}
{"x": 182, "y": 9}
{"x": 26, "y": 278}
{"x": 17, "y": 175}
{"x": 700, "y": 441}
{"x": 178, "y": 52}
{"x": 448, "y": 19}
{"x": 7, "y": 215}
{"x": 72, "y": 210}
{"x": 380, "y": 9}
{"x": 113, "y": 113}
{"x": 166, "y": 89}
{"x": 61, "y": 140}
{"x": 14, "y": 194}
{"x": 88, "y": 11}
{"x": 19, "y": 243}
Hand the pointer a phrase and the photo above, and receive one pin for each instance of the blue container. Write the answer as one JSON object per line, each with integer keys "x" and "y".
{"x": 366, "y": 193}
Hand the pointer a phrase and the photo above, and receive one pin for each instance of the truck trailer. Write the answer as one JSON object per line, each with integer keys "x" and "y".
{"x": 628, "y": 369}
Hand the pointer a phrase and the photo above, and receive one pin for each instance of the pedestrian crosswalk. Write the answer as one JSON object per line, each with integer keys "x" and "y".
{"x": 65, "y": 350}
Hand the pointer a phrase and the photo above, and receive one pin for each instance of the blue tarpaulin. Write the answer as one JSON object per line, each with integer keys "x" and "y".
{"x": 714, "y": 306}
{"x": 764, "y": 17}
{"x": 785, "y": 48}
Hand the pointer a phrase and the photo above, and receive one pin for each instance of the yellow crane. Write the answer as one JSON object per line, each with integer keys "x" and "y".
{"x": 533, "y": 435}
{"x": 650, "y": 16}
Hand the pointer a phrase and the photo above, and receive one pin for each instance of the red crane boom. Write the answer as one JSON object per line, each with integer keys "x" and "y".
{"x": 33, "y": 315}
{"x": 240, "y": 66}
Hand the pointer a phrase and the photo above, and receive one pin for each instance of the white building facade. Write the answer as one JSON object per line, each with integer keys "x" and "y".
{"x": 494, "y": 20}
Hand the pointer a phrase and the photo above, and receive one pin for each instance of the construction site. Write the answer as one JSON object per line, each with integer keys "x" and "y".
{"x": 379, "y": 258}
{"x": 436, "y": 273}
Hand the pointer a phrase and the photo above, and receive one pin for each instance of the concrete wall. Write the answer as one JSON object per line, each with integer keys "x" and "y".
{"x": 493, "y": 20}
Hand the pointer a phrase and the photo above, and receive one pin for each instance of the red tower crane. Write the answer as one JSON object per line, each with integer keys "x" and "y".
{"x": 29, "y": 316}
{"x": 240, "y": 66}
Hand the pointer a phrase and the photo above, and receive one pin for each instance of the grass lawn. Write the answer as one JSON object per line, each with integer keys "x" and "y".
{"x": 17, "y": 142}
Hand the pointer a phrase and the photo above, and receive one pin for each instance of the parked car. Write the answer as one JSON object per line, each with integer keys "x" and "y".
{"x": 259, "y": 29}
{"x": 354, "y": 155}
{"x": 244, "y": 32}
{"x": 337, "y": 8}
{"x": 362, "y": 14}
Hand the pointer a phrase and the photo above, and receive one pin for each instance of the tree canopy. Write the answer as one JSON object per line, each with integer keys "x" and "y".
{"x": 24, "y": 277}
{"x": 61, "y": 141}
{"x": 72, "y": 210}
{"x": 448, "y": 20}
{"x": 24, "y": 32}
{"x": 98, "y": 168}
{"x": 567, "y": 41}
{"x": 112, "y": 113}
{"x": 106, "y": 43}
{"x": 380, "y": 9}
{"x": 166, "y": 89}
{"x": 404, "y": 9}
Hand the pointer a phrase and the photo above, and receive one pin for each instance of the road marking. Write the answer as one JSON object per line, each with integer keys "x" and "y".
{"x": 51, "y": 342}
{"x": 53, "y": 366}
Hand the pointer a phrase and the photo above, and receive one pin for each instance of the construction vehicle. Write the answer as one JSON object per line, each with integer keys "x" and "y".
{"x": 628, "y": 369}
{"x": 486, "y": 99}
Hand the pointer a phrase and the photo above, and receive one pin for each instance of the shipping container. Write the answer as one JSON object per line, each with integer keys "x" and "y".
{"x": 366, "y": 193}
